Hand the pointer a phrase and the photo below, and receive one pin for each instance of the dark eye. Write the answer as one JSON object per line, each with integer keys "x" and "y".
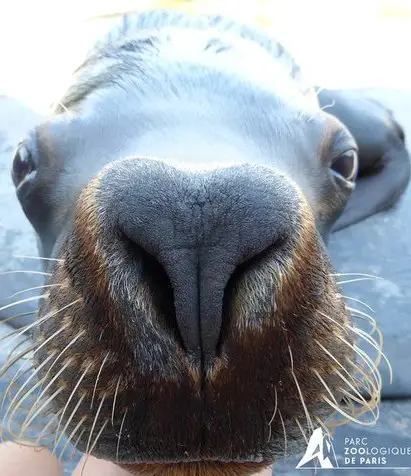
{"x": 346, "y": 165}
{"x": 23, "y": 164}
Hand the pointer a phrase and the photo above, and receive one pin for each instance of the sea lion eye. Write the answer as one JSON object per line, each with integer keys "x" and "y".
{"x": 345, "y": 165}
{"x": 23, "y": 164}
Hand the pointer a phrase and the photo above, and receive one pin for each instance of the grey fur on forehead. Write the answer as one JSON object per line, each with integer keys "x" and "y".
{"x": 162, "y": 19}
{"x": 137, "y": 36}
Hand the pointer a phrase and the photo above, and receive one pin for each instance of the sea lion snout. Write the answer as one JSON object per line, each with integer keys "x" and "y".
{"x": 198, "y": 228}
{"x": 199, "y": 299}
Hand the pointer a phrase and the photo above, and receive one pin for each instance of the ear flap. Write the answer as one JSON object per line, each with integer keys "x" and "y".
{"x": 384, "y": 162}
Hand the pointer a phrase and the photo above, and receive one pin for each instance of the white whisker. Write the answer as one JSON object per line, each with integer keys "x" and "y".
{"x": 68, "y": 402}
{"x": 37, "y": 322}
{"x": 356, "y": 280}
{"x": 32, "y": 289}
{"x": 92, "y": 430}
{"x": 115, "y": 399}
{"x": 72, "y": 342}
{"x": 18, "y": 403}
{"x": 22, "y": 301}
{"x": 38, "y": 258}
{"x": 357, "y": 274}
{"x": 307, "y": 414}
{"x": 301, "y": 430}
{"x": 274, "y": 413}
{"x": 71, "y": 436}
{"x": 40, "y": 409}
{"x": 29, "y": 416}
{"x": 18, "y": 271}
{"x": 285, "y": 434}
{"x": 120, "y": 432}
{"x": 359, "y": 301}
{"x": 97, "y": 378}
{"x": 73, "y": 413}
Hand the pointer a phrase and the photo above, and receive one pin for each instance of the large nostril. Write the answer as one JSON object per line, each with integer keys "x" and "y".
{"x": 199, "y": 228}
{"x": 155, "y": 278}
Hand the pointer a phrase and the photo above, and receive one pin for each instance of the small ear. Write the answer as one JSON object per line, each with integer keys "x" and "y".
{"x": 384, "y": 162}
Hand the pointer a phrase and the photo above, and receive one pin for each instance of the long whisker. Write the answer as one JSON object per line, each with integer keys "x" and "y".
{"x": 63, "y": 368}
{"x": 97, "y": 378}
{"x": 37, "y": 370}
{"x": 349, "y": 417}
{"x": 341, "y": 326}
{"x": 76, "y": 443}
{"x": 301, "y": 430}
{"x": 327, "y": 106}
{"x": 40, "y": 409}
{"x": 307, "y": 414}
{"x": 63, "y": 431}
{"x": 361, "y": 399}
{"x": 46, "y": 428}
{"x": 115, "y": 399}
{"x": 16, "y": 376}
{"x": 68, "y": 403}
{"x": 120, "y": 432}
{"x": 374, "y": 344}
{"x": 37, "y": 322}
{"x": 275, "y": 411}
{"x": 92, "y": 431}
{"x": 72, "y": 342}
{"x": 370, "y": 364}
{"x": 336, "y": 406}
{"x": 372, "y": 370}
{"x": 19, "y": 344}
{"x": 15, "y": 359}
{"x": 50, "y": 338}
{"x": 98, "y": 435}
{"x": 364, "y": 316}
{"x": 22, "y": 301}
{"x": 36, "y": 349}
{"x": 23, "y": 314}
{"x": 19, "y": 271}
{"x": 375, "y": 389}
{"x": 359, "y": 301}
{"x": 285, "y": 434}
{"x": 364, "y": 407}
{"x": 38, "y": 258}
{"x": 32, "y": 289}
{"x": 355, "y": 280}
{"x": 71, "y": 436}
{"x": 357, "y": 274}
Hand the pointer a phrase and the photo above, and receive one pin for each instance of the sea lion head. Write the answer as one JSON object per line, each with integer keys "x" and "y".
{"x": 192, "y": 320}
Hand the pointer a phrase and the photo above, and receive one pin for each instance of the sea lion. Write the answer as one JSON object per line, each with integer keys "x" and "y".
{"x": 183, "y": 191}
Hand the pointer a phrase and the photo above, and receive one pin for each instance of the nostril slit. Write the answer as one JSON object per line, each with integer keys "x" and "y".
{"x": 155, "y": 278}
